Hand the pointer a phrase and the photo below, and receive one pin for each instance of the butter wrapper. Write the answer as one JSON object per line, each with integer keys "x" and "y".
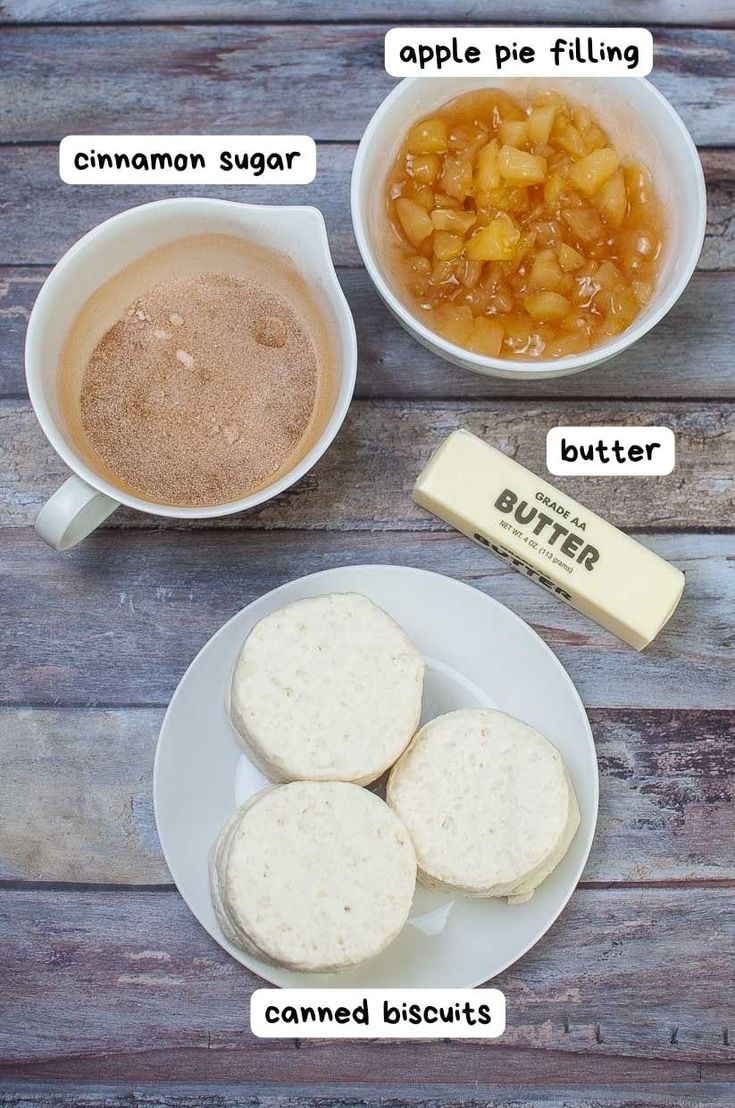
{"x": 551, "y": 538}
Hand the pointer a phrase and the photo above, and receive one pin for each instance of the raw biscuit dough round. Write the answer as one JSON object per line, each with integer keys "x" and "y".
{"x": 487, "y": 802}
{"x": 313, "y": 876}
{"x": 326, "y": 689}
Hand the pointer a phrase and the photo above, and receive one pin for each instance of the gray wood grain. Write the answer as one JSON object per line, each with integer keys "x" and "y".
{"x": 687, "y": 355}
{"x": 62, "y": 213}
{"x": 76, "y": 804}
{"x": 365, "y": 480}
{"x": 375, "y": 1067}
{"x": 76, "y": 799}
{"x": 632, "y": 12}
{"x": 103, "y": 77}
{"x": 661, "y": 1095}
{"x": 88, "y": 972}
{"x": 118, "y": 620}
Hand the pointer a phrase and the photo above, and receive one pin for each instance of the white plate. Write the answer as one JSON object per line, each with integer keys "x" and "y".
{"x": 478, "y": 654}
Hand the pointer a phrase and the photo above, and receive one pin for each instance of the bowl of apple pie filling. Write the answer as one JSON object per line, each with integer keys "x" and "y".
{"x": 528, "y": 229}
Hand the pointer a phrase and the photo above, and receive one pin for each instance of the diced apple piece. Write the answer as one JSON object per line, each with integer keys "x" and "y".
{"x": 554, "y": 187}
{"x": 540, "y": 122}
{"x": 560, "y": 161}
{"x": 549, "y": 96}
{"x": 492, "y": 275}
{"x": 419, "y": 264}
{"x": 601, "y": 301}
{"x": 581, "y": 116}
{"x": 569, "y": 258}
{"x": 563, "y": 346}
{"x": 478, "y": 297}
{"x": 456, "y": 180}
{"x": 610, "y": 326}
{"x": 622, "y": 310}
{"x": 521, "y": 168}
{"x": 590, "y": 173}
{"x": 508, "y": 199}
{"x": 414, "y": 220}
{"x": 545, "y": 305}
{"x": 421, "y": 194}
{"x": 420, "y": 269}
{"x": 442, "y": 272}
{"x": 569, "y": 137}
{"x": 624, "y": 304}
{"x": 443, "y": 201}
{"x": 486, "y": 105}
{"x": 639, "y": 184}
{"x": 447, "y": 219}
{"x": 487, "y": 175}
{"x": 501, "y": 300}
{"x": 548, "y": 232}
{"x": 637, "y": 245}
{"x": 584, "y": 223}
{"x": 454, "y": 323}
{"x": 514, "y": 132}
{"x": 585, "y": 287}
{"x": 468, "y": 273}
{"x": 518, "y": 199}
{"x": 490, "y": 201}
{"x": 467, "y": 139}
{"x": 577, "y": 320}
{"x": 517, "y": 327}
{"x": 545, "y": 272}
{"x": 447, "y": 245}
{"x": 524, "y": 244}
{"x": 608, "y": 276}
{"x": 486, "y": 337}
{"x": 642, "y": 290}
{"x": 425, "y": 168}
{"x": 428, "y": 137}
{"x": 613, "y": 199}
{"x": 495, "y": 242}
{"x": 594, "y": 137}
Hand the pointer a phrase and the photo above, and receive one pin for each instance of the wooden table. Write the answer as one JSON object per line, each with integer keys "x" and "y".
{"x": 110, "y": 992}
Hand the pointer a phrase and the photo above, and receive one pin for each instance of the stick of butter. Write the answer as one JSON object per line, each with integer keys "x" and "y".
{"x": 549, "y": 537}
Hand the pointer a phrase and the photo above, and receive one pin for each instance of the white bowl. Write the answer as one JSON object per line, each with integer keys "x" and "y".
{"x": 642, "y": 125}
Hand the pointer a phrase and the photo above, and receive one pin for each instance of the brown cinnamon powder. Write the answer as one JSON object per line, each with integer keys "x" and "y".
{"x": 201, "y": 392}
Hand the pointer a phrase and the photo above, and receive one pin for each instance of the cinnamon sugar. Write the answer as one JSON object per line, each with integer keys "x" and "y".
{"x": 202, "y": 390}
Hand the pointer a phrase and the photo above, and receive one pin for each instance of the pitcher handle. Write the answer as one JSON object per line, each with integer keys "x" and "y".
{"x": 72, "y": 513}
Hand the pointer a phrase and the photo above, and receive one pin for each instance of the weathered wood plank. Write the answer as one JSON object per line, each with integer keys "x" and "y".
{"x": 611, "y": 1095}
{"x": 723, "y": 1072}
{"x": 666, "y": 796}
{"x": 217, "y": 1076}
{"x": 76, "y": 797}
{"x": 116, "y": 621}
{"x": 687, "y": 355}
{"x": 29, "y": 175}
{"x": 69, "y": 211}
{"x": 365, "y": 479}
{"x": 93, "y": 972}
{"x": 95, "y": 79}
{"x": 709, "y": 13}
